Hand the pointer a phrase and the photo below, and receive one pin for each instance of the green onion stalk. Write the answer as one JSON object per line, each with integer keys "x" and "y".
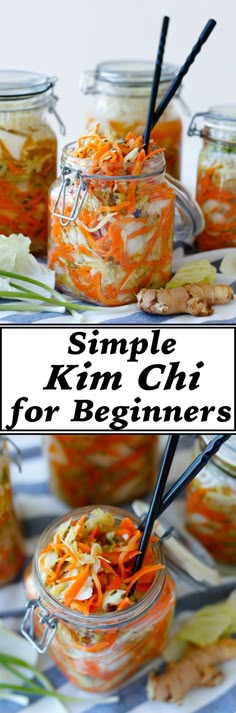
{"x": 15, "y": 666}
{"x": 43, "y": 303}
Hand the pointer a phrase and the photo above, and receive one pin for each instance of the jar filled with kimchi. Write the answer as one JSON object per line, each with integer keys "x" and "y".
{"x": 112, "y": 219}
{"x": 216, "y": 178}
{"x": 28, "y": 155}
{"x": 100, "y": 630}
{"x": 211, "y": 502}
{"x": 112, "y": 469}
{"x": 120, "y": 93}
{"x": 11, "y": 543}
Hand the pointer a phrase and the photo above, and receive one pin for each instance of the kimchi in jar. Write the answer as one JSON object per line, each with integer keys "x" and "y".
{"x": 112, "y": 469}
{"x": 120, "y": 92}
{"x": 112, "y": 220}
{"x": 28, "y": 155}
{"x": 211, "y": 502}
{"x": 11, "y": 543}
{"x": 99, "y": 629}
{"x": 216, "y": 179}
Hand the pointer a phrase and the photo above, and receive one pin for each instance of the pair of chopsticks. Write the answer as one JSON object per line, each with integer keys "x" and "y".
{"x": 154, "y": 115}
{"x": 159, "y": 502}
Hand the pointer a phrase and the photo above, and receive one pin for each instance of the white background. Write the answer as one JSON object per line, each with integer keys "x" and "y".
{"x": 37, "y": 352}
{"x": 63, "y": 37}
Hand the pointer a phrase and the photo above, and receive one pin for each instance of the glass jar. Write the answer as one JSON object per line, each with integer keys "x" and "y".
{"x": 112, "y": 469}
{"x": 97, "y": 652}
{"x": 211, "y": 502}
{"x": 128, "y": 248}
{"x": 11, "y": 543}
{"x": 120, "y": 92}
{"x": 216, "y": 179}
{"x": 28, "y": 155}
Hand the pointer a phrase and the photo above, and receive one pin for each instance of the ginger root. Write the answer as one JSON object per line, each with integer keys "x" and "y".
{"x": 195, "y": 668}
{"x": 192, "y": 299}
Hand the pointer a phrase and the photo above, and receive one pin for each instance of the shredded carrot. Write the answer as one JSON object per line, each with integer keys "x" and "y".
{"x": 74, "y": 589}
{"x": 106, "y": 567}
{"x": 141, "y": 573}
{"x": 216, "y": 195}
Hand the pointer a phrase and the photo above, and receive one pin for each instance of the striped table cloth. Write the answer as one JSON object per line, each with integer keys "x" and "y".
{"x": 131, "y": 314}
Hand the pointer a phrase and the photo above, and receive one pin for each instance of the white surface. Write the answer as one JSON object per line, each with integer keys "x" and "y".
{"x": 63, "y": 38}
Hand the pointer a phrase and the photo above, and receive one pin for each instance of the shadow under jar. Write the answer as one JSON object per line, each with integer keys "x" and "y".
{"x": 28, "y": 155}
{"x": 111, "y": 235}
{"x": 99, "y": 652}
{"x": 211, "y": 502}
{"x": 119, "y": 93}
{"x": 111, "y": 469}
{"x": 216, "y": 178}
{"x": 11, "y": 541}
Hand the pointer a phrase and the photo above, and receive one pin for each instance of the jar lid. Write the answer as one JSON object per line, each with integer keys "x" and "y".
{"x": 223, "y": 114}
{"x": 217, "y": 123}
{"x": 225, "y": 458}
{"x": 16, "y": 83}
{"x": 133, "y": 73}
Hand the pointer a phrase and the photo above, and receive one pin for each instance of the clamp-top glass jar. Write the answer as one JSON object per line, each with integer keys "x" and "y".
{"x": 211, "y": 502}
{"x": 112, "y": 219}
{"x": 28, "y": 154}
{"x": 98, "y": 647}
{"x": 120, "y": 92}
{"x": 111, "y": 234}
{"x": 11, "y": 543}
{"x": 216, "y": 180}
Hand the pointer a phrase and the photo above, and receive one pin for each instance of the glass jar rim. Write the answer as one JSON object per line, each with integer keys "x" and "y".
{"x": 110, "y": 619}
{"x": 136, "y": 73}
{"x": 20, "y": 84}
{"x": 75, "y": 165}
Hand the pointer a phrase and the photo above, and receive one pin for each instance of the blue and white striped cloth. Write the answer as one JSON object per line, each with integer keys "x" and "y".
{"x": 36, "y": 507}
{"x": 131, "y": 314}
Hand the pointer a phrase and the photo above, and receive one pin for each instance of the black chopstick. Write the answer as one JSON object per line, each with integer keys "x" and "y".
{"x": 172, "y": 89}
{"x": 151, "y": 516}
{"x": 193, "y": 469}
{"x": 155, "y": 82}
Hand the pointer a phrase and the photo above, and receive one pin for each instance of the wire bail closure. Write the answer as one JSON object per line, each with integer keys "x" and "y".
{"x": 28, "y": 625}
{"x": 52, "y": 110}
{"x": 193, "y": 129}
{"x": 14, "y": 457}
{"x": 80, "y": 195}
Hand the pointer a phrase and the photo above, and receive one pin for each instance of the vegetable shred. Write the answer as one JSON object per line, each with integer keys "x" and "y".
{"x": 211, "y": 516}
{"x": 27, "y": 169}
{"x": 11, "y": 545}
{"x": 111, "y": 469}
{"x": 216, "y": 195}
{"x": 88, "y": 565}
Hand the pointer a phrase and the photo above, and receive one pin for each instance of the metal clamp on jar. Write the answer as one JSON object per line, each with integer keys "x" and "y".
{"x": 216, "y": 179}
{"x": 28, "y": 154}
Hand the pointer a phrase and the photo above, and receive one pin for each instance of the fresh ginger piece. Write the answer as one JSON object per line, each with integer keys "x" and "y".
{"x": 197, "y": 667}
{"x": 197, "y": 271}
{"x": 191, "y": 299}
